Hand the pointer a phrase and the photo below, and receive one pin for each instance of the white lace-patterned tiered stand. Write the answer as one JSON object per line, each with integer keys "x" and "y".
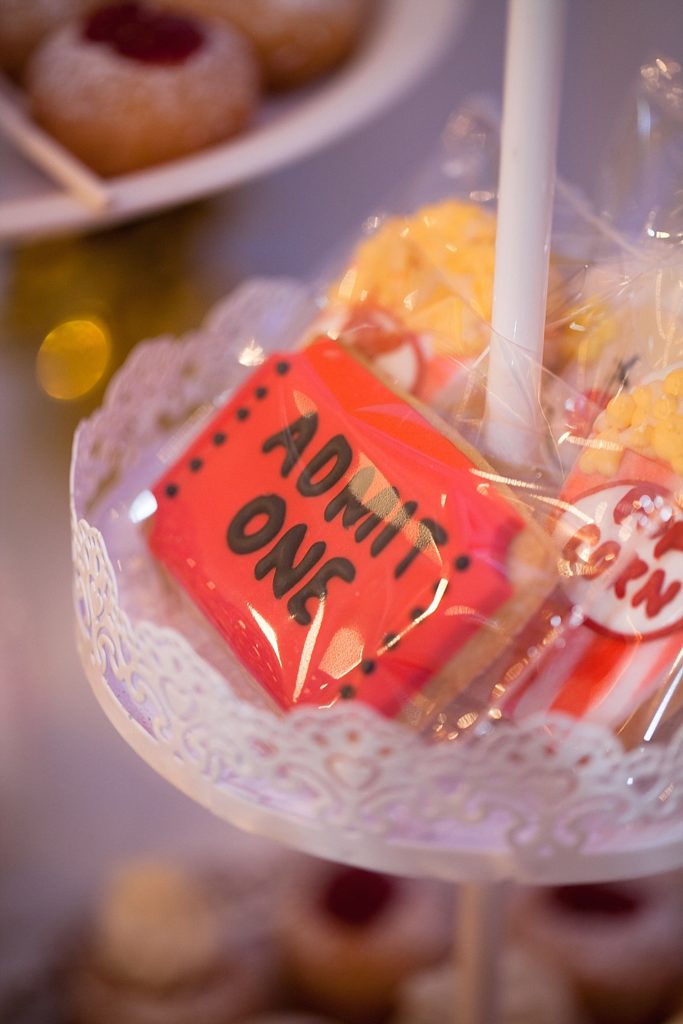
{"x": 343, "y": 783}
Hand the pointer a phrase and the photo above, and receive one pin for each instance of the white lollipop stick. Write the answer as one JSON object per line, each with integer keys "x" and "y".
{"x": 533, "y": 74}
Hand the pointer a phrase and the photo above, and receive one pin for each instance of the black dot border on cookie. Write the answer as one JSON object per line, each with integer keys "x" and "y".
{"x": 461, "y": 563}
{"x": 220, "y": 436}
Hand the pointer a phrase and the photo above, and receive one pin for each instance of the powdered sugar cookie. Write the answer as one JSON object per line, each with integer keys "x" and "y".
{"x": 132, "y": 86}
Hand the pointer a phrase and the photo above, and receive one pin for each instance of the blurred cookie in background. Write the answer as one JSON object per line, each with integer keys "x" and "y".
{"x": 531, "y": 991}
{"x": 619, "y": 943}
{"x": 130, "y": 85}
{"x": 165, "y": 944}
{"x": 295, "y": 40}
{"x": 349, "y": 937}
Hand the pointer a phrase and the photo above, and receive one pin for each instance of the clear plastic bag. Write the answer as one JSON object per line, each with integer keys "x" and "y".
{"x": 341, "y": 526}
{"x": 621, "y": 512}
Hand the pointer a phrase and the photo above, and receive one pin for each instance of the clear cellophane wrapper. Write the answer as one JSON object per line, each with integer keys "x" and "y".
{"x": 325, "y": 525}
{"x": 620, "y": 518}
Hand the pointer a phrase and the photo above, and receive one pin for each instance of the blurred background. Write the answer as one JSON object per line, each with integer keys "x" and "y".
{"x": 75, "y": 802}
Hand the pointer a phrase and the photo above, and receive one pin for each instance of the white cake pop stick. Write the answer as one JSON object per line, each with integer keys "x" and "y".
{"x": 533, "y": 73}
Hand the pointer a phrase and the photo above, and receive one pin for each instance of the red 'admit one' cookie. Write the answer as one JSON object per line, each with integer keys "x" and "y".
{"x": 344, "y": 547}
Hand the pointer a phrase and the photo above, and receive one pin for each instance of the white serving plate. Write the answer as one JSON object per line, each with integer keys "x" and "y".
{"x": 400, "y": 44}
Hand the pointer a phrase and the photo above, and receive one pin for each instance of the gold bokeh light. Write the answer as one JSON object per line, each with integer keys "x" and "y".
{"x": 73, "y": 358}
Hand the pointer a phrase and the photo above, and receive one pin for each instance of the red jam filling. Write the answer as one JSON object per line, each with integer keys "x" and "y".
{"x": 144, "y": 34}
{"x": 356, "y": 897}
{"x": 597, "y": 900}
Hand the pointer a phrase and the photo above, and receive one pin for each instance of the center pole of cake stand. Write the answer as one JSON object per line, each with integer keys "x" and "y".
{"x": 479, "y": 944}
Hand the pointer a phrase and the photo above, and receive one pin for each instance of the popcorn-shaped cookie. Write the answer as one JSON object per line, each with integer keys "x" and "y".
{"x": 344, "y": 546}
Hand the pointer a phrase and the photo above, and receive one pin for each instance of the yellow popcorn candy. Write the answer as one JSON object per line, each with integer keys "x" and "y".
{"x": 667, "y": 441}
{"x": 638, "y": 438}
{"x": 435, "y": 269}
{"x": 640, "y": 417}
{"x": 673, "y": 383}
{"x": 642, "y": 396}
{"x": 664, "y": 407}
{"x": 603, "y": 454}
{"x": 620, "y": 411}
{"x": 648, "y": 420}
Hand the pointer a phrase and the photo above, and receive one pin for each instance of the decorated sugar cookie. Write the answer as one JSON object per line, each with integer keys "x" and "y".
{"x": 344, "y": 547}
